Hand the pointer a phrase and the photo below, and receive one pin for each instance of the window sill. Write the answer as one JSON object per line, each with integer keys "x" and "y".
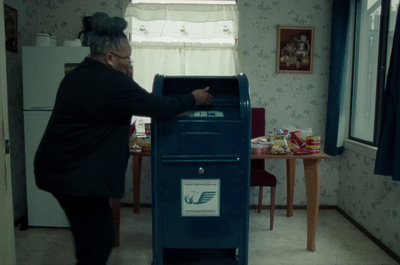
{"x": 362, "y": 149}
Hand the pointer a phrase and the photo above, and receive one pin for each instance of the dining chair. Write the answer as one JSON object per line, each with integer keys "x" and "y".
{"x": 258, "y": 175}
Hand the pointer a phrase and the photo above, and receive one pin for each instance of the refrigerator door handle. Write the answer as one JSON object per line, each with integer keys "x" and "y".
{"x": 7, "y": 146}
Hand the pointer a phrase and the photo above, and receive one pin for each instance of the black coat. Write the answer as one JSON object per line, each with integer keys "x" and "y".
{"x": 84, "y": 150}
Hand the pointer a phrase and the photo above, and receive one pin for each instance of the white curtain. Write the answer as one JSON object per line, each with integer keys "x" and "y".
{"x": 181, "y": 60}
{"x": 182, "y": 40}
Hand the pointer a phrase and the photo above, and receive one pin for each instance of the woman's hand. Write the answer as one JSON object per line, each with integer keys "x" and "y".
{"x": 202, "y": 96}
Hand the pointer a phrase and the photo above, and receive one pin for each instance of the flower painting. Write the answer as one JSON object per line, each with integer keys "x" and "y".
{"x": 295, "y": 49}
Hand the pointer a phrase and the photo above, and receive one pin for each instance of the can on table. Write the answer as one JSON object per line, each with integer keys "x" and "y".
{"x": 313, "y": 143}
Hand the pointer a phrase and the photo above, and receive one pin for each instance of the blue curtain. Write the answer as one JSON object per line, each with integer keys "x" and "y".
{"x": 340, "y": 20}
{"x": 388, "y": 156}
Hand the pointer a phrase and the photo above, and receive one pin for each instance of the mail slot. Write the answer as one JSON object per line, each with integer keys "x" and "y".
{"x": 200, "y": 170}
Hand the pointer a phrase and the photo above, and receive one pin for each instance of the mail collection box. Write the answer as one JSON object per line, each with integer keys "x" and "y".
{"x": 200, "y": 171}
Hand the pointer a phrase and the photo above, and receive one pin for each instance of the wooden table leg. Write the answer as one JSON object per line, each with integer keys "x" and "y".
{"x": 116, "y": 208}
{"x": 312, "y": 176}
{"x": 290, "y": 173}
{"x": 136, "y": 173}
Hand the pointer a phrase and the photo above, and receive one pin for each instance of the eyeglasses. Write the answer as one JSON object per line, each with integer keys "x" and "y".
{"x": 128, "y": 59}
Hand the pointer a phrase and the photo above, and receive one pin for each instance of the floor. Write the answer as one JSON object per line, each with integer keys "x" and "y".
{"x": 338, "y": 242}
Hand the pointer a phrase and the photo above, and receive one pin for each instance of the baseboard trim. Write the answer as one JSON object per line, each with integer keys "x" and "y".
{"x": 369, "y": 235}
{"x": 22, "y": 221}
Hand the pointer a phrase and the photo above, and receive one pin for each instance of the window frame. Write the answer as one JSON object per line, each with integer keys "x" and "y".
{"x": 381, "y": 69}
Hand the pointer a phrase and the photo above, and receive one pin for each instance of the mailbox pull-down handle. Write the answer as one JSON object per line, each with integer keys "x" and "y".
{"x": 200, "y": 133}
{"x": 196, "y": 159}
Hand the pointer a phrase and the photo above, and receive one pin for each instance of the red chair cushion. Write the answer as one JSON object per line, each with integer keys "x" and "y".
{"x": 257, "y": 122}
{"x": 257, "y": 130}
{"x": 260, "y": 177}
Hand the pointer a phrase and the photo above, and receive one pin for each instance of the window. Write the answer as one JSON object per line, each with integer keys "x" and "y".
{"x": 373, "y": 38}
{"x": 181, "y": 39}
{"x": 177, "y": 39}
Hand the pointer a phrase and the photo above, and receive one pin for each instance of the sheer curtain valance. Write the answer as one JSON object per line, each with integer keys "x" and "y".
{"x": 180, "y": 23}
{"x": 183, "y": 12}
{"x": 209, "y": 2}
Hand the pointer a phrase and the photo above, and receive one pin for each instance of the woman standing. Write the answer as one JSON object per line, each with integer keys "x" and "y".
{"x": 82, "y": 157}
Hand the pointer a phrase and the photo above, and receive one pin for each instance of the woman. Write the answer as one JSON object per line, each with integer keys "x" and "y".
{"x": 83, "y": 154}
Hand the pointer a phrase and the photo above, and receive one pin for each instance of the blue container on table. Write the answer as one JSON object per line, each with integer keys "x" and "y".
{"x": 201, "y": 174}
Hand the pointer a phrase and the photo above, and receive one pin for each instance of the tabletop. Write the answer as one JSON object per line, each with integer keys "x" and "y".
{"x": 321, "y": 155}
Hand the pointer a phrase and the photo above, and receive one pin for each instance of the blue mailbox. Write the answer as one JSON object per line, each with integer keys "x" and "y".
{"x": 200, "y": 171}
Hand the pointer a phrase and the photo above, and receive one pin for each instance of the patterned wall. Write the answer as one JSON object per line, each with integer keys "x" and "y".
{"x": 373, "y": 201}
{"x": 63, "y": 19}
{"x": 290, "y": 99}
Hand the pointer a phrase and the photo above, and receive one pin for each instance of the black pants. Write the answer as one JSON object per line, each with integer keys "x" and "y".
{"x": 91, "y": 221}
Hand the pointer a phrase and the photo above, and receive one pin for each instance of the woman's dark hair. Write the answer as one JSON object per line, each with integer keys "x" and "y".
{"x": 107, "y": 33}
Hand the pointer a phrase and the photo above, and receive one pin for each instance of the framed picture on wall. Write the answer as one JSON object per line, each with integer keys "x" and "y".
{"x": 295, "y": 50}
{"x": 11, "y": 28}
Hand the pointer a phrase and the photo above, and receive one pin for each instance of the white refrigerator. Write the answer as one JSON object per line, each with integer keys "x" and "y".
{"x": 43, "y": 69}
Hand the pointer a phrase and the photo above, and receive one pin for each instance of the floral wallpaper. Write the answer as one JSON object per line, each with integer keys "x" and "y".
{"x": 63, "y": 18}
{"x": 373, "y": 201}
{"x": 290, "y": 99}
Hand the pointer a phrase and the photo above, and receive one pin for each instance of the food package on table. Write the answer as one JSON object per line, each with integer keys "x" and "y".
{"x": 261, "y": 139}
{"x": 297, "y": 139}
{"x": 299, "y": 136}
{"x": 279, "y": 142}
{"x": 260, "y": 145}
{"x": 144, "y": 142}
{"x": 139, "y": 143}
{"x": 135, "y": 148}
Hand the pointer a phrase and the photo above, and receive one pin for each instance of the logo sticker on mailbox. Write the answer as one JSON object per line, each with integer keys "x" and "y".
{"x": 200, "y": 197}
